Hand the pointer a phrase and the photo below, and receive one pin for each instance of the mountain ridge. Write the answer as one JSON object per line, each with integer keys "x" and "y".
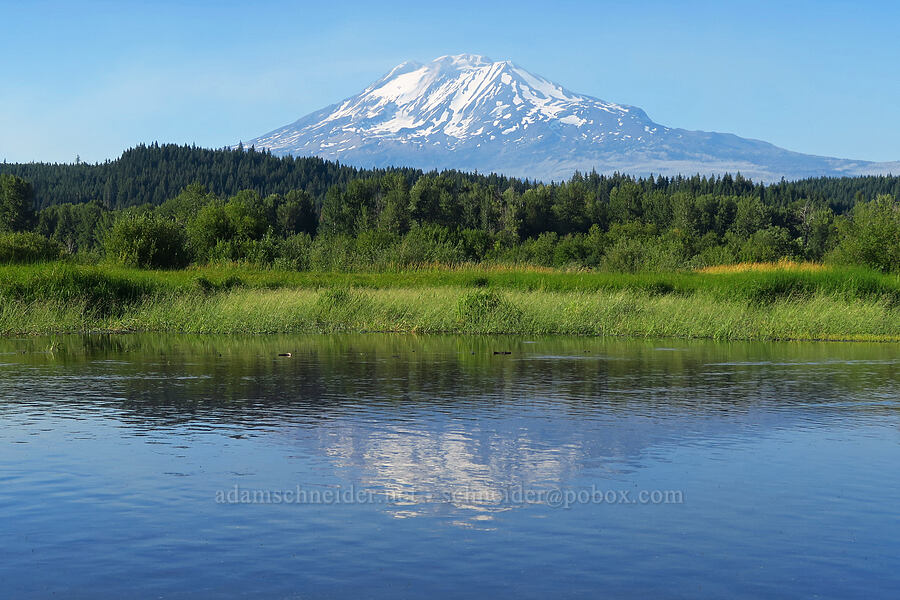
{"x": 469, "y": 112}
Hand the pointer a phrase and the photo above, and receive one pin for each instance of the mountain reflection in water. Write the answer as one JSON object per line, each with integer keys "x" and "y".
{"x": 116, "y": 446}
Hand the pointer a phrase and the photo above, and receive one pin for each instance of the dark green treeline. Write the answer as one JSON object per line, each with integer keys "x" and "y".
{"x": 169, "y": 205}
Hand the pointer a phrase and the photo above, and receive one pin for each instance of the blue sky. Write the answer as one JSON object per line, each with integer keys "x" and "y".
{"x": 94, "y": 78}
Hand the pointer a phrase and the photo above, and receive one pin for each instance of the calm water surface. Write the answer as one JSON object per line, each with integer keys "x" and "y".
{"x": 164, "y": 467}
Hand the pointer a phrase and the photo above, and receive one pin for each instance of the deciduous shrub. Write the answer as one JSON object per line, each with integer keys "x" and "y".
{"x": 768, "y": 245}
{"x": 430, "y": 244}
{"x": 871, "y": 235}
{"x": 294, "y": 253}
{"x": 147, "y": 241}
{"x": 27, "y": 248}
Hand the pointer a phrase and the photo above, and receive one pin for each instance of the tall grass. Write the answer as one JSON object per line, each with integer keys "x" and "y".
{"x": 853, "y": 282}
{"x": 749, "y": 304}
{"x": 458, "y": 310}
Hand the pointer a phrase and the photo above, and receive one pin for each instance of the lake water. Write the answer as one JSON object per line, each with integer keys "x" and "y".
{"x": 378, "y": 466}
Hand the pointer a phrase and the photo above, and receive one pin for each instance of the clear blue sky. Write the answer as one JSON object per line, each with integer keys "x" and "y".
{"x": 93, "y": 78}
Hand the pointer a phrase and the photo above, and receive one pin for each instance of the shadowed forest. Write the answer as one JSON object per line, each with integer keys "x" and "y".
{"x": 169, "y": 206}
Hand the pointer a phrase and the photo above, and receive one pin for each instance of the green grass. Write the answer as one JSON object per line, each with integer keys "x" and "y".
{"x": 835, "y": 304}
{"x": 71, "y": 278}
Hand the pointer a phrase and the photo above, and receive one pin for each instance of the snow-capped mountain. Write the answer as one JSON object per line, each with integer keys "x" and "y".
{"x": 470, "y": 113}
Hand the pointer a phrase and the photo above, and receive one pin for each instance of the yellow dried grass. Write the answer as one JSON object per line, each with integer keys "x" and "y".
{"x": 781, "y": 265}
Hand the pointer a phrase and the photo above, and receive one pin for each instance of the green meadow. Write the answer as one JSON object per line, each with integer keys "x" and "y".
{"x": 776, "y": 302}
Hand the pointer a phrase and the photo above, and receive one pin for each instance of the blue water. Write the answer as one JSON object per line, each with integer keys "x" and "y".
{"x": 463, "y": 473}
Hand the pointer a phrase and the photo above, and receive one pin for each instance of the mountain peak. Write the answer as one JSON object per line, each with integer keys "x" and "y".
{"x": 464, "y": 60}
{"x": 466, "y": 111}
{"x": 453, "y": 101}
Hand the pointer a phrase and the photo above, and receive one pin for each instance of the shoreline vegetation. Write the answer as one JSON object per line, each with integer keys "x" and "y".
{"x": 778, "y": 301}
{"x": 182, "y": 239}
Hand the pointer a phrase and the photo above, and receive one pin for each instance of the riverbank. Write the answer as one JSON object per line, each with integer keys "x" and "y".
{"x": 780, "y": 303}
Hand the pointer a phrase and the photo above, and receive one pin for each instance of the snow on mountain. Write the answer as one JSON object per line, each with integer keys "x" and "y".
{"x": 471, "y": 113}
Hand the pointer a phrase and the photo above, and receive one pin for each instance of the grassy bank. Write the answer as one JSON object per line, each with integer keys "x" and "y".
{"x": 759, "y": 303}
